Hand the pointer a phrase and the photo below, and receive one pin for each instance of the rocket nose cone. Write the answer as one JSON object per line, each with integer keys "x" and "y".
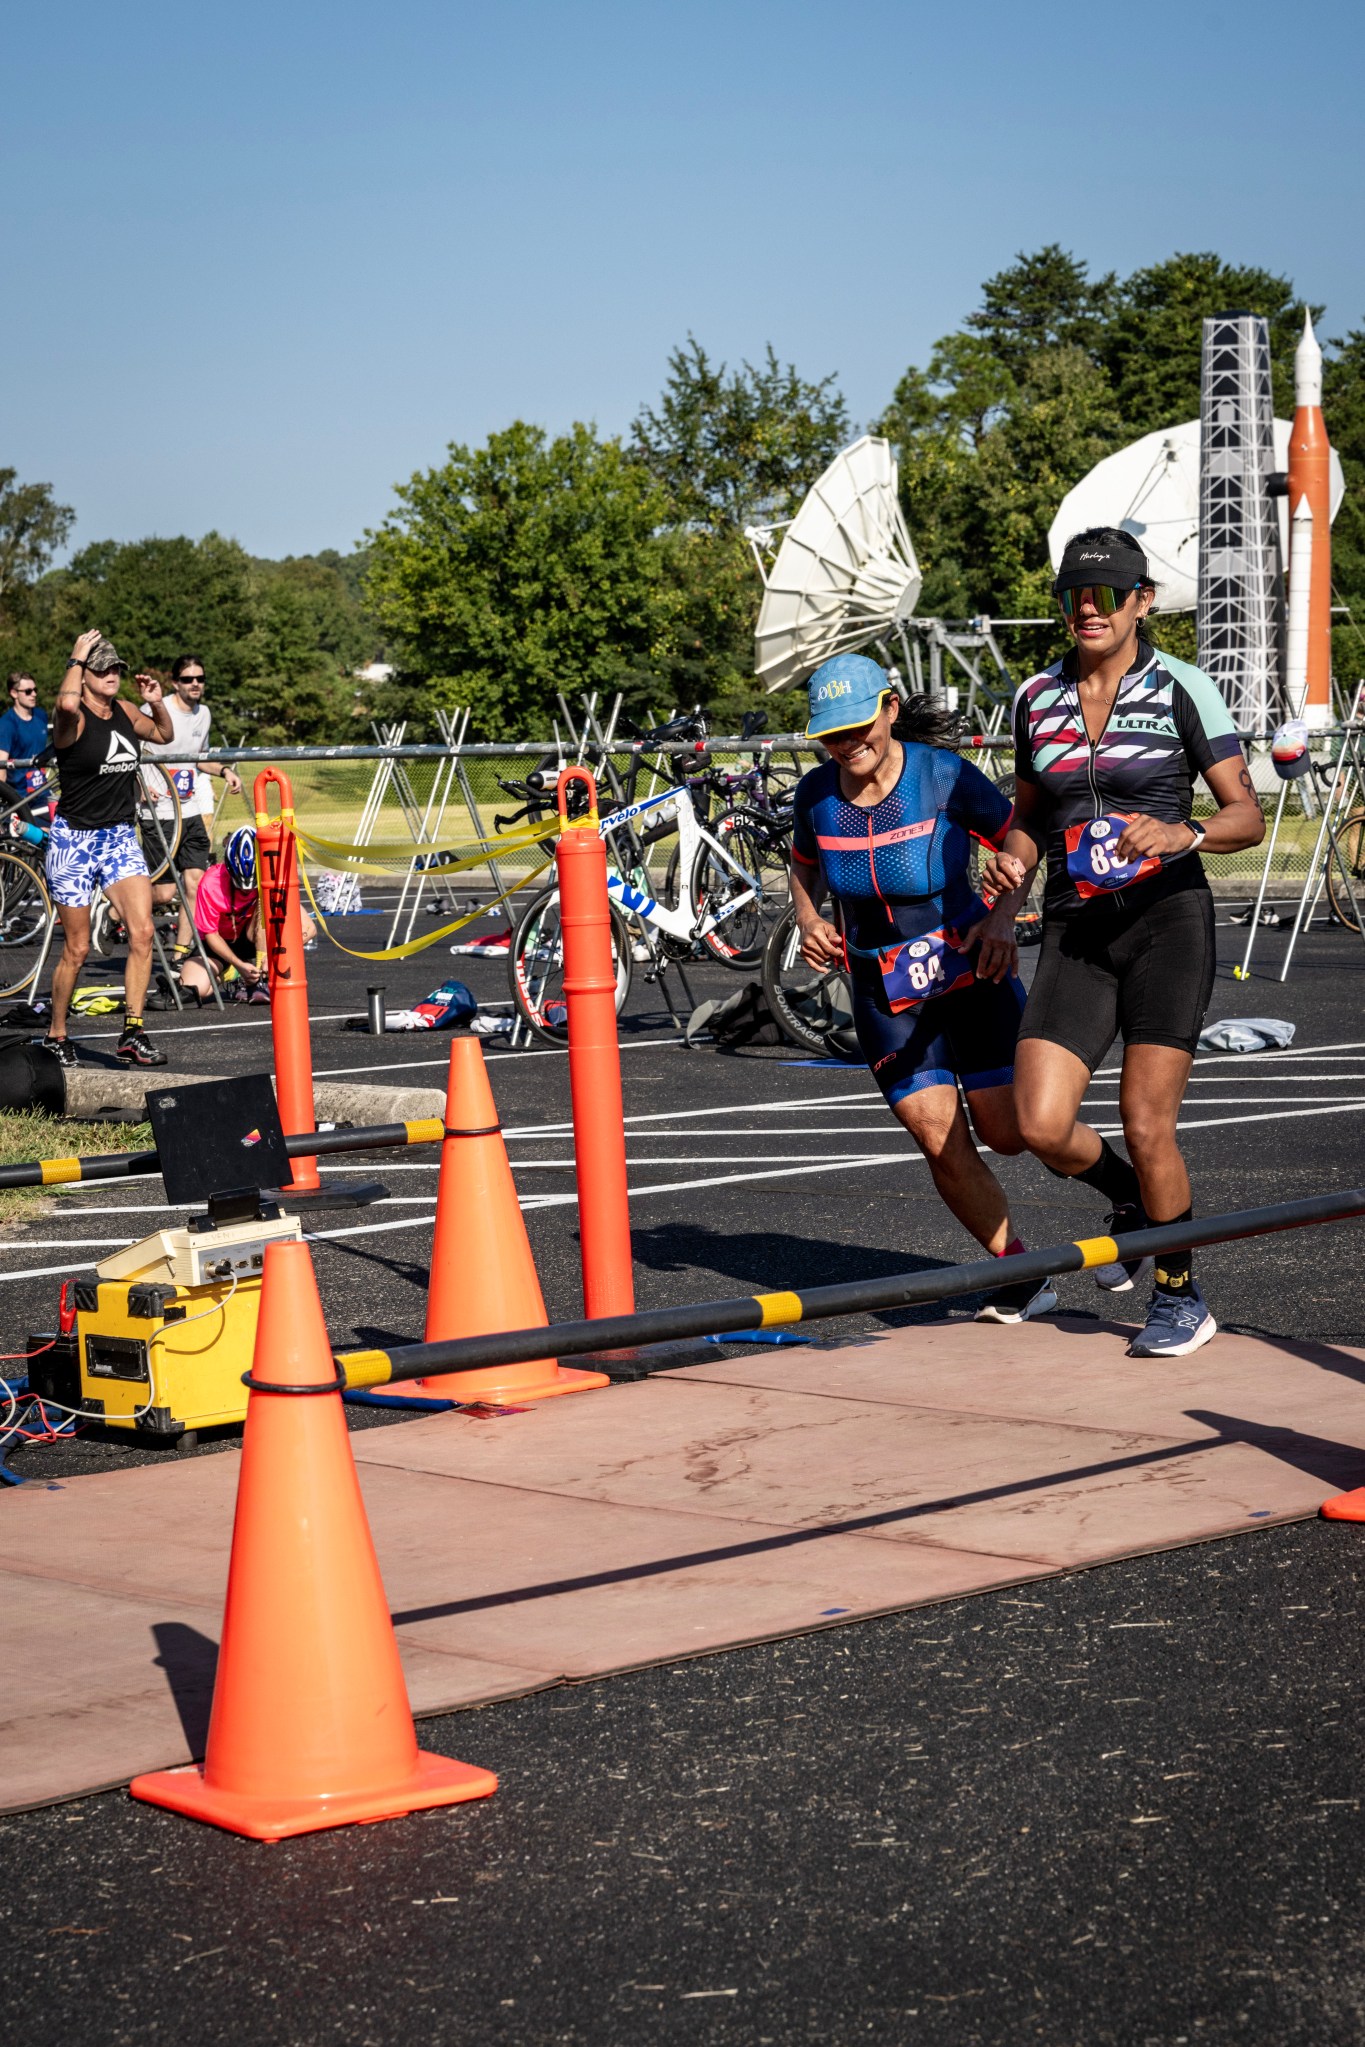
{"x": 1308, "y": 366}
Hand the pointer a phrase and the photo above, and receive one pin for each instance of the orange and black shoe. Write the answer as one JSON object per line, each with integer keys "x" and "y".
{"x": 136, "y": 1047}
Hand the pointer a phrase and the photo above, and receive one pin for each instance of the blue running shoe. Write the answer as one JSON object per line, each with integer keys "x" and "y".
{"x": 1176, "y": 1325}
{"x": 1118, "y": 1278}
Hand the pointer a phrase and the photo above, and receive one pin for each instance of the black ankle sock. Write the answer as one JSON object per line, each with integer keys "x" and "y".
{"x": 1113, "y": 1177}
{"x": 1174, "y": 1273}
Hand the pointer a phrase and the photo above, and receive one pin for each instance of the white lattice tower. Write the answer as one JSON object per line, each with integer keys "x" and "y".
{"x": 1240, "y": 610}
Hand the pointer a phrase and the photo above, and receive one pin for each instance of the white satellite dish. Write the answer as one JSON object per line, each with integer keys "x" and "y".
{"x": 844, "y": 572}
{"x": 1151, "y": 490}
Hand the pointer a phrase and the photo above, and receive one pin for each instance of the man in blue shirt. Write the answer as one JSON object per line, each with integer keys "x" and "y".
{"x": 23, "y": 736}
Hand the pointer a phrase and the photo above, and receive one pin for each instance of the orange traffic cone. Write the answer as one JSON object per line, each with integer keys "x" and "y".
{"x": 1345, "y": 1506}
{"x": 483, "y": 1277}
{"x": 311, "y": 1725}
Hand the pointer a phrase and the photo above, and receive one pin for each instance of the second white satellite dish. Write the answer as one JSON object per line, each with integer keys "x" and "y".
{"x": 1151, "y": 490}
{"x": 845, "y": 570}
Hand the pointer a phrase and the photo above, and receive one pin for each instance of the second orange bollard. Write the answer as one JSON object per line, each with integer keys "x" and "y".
{"x": 277, "y": 859}
{"x": 599, "y": 1131}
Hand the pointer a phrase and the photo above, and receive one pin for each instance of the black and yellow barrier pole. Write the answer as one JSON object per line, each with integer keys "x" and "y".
{"x": 367, "y": 1368}
{"x": 127, "y": 1165}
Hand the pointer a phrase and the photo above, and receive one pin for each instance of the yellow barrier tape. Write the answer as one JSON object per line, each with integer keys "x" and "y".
{"x": 416, "y": 945}
{"x": 434, "y": 860}
{"x": 777, "y": 1308}
{"x": 1097, "y": 1250}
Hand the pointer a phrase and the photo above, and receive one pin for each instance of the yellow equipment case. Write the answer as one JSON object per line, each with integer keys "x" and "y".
{"x": 164, "y": 1331}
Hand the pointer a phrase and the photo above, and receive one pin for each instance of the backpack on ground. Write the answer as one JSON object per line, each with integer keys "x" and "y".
{"x": 740, "y": 1019}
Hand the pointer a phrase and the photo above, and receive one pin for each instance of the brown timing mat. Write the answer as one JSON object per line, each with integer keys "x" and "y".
{"x": 726, "y": 1503}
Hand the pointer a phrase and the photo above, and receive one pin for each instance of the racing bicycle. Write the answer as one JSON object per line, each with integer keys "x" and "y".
{"x": 714, "y": 889}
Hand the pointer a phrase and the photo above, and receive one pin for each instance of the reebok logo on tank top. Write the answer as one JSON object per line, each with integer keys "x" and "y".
{"x": 122, "y": 757}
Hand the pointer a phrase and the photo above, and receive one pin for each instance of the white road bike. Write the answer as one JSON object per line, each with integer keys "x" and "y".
{"x": 713, "y": 887}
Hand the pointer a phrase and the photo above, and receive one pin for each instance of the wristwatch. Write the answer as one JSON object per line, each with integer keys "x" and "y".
{"x": 1198, "y": 830}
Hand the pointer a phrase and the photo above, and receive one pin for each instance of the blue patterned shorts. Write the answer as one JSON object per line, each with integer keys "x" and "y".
{"x": 79, "y": 862}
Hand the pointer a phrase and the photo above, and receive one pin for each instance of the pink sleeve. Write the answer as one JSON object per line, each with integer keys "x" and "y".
{"x": 211, "y": 901}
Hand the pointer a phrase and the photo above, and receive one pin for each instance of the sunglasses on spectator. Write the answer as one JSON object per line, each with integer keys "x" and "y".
{"x": 26, "y": 690}
{"x": 191, "y": 678}
{"x": 1103, "y": 596}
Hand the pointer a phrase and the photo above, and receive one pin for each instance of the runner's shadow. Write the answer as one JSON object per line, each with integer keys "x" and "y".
{"x": 190, "y": 1661}
{"x": 769, "y": 1260}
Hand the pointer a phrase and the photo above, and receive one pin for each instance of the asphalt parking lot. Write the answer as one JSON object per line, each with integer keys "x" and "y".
{"x": 1120, "y": 1806}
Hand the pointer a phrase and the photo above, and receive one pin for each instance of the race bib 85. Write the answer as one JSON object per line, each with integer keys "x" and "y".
{"x": 924, "y": 967}
{"x": 1092, "y": 860}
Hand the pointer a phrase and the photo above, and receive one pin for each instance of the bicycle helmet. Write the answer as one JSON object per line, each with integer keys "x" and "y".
{"x": 239, "y": 857}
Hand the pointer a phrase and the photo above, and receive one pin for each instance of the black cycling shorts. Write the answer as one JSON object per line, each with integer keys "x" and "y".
{"x": 194, "y": 850}
{"x": 1145, "y": 972}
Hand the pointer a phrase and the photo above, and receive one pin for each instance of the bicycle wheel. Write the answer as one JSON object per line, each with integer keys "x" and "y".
{"x": 26, "y": 914}
{"x": 807, "y": 1005}
{"x": 740, "y": 940}
{"x": 535, "y": 967}
{"x": 1349, "y": 846}
{"x": 159, "y": 821}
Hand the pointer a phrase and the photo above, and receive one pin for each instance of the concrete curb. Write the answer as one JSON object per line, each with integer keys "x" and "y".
{"x": 93, "y": 1092}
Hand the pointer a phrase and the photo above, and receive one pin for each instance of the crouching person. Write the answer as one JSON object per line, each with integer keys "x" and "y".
{"x": 227, "y": 916}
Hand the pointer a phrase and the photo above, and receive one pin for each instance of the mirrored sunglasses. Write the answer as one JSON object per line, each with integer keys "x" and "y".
{"x": 1103, "y": 596}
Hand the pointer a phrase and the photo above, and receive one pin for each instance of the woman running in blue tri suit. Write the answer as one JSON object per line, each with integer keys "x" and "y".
{"x": 886, "y": 824}
{"x": 1108, "y": 741}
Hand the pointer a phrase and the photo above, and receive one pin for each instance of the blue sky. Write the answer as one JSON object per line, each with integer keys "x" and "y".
{"x": 264, "y": 261}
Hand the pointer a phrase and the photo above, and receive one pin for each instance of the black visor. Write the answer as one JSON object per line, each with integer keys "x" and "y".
{"x": 1090, "y": 561}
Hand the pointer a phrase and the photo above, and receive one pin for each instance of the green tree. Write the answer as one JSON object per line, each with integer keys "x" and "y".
{"x": 1152, "y": 341}
{"x": 1343, "y": 402}
{"x": 737, "y": 447}
{"x": 522, "y": 567}
{"x": 159, "y": 598}
{"x": 729, "y": 448}
{"x": 32, "y": 528}
{"x": 1046, "y": 300}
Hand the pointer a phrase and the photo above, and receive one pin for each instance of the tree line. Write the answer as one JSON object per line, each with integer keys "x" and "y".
{"x": 536, "y": 562}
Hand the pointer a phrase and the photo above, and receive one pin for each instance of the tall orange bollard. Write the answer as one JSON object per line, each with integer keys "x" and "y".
{"x": 594, "y": 1059}
{"x": 277, "y": 858}
{"x": 483, "y": 1277}
{"x": 311, "y": 1725}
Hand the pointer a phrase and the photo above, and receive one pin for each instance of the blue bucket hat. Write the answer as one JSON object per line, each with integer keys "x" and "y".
{"x": 848, "y": 690}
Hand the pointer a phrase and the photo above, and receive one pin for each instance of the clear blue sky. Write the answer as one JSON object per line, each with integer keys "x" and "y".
{"x": 262, "y": 261}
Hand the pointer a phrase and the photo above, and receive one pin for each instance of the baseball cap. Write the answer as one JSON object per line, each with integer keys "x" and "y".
{"x": 1086, "y": 561}
{"x": 1289, "y": 750}
{"x": 103, "y": 658}
{"x": 848, "y": 690}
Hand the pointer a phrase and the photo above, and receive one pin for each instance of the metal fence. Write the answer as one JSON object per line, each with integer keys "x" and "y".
{"x": 397, "y": 799}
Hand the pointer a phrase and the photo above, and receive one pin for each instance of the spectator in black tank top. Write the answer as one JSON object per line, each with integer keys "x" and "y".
{"x": 94, "y": 842}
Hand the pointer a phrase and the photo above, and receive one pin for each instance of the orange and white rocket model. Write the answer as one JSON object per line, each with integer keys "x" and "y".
{"x": 1309, "y": 649}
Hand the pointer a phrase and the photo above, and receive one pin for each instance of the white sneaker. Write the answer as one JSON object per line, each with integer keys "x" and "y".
{"x": 1019, "y": 1303}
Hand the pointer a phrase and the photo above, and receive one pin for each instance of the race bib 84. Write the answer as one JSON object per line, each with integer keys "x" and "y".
{"x": 924, "y": 967}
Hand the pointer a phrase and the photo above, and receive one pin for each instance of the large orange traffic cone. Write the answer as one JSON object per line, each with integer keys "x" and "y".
{"x": 483, "y": 1277}
{"x": 311, "y": 1725}
{"x": 1345, "y": 1506}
